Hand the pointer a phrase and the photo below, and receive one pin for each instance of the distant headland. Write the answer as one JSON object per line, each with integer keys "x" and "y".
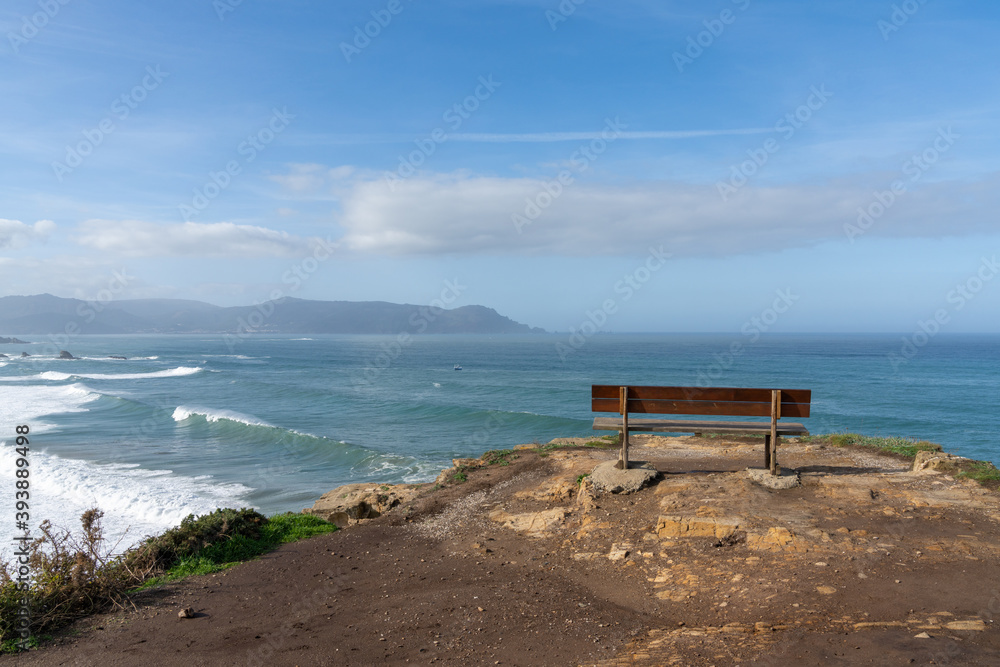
{"x": 48, "y": 314}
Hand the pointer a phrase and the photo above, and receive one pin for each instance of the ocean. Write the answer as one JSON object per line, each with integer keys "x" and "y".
{"x": 189, "y": 423}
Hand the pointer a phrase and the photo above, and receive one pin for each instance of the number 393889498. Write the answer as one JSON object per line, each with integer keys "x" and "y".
{"x": 22, "y": 483}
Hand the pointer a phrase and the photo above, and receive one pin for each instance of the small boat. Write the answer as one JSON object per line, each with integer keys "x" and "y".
{"x": 458, "y": 367}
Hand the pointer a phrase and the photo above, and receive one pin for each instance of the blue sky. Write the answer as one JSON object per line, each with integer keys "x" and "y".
{"x": 676, "y": 165}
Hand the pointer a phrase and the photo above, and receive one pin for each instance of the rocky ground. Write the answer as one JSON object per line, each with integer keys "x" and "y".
{"x": 864, "y": 562}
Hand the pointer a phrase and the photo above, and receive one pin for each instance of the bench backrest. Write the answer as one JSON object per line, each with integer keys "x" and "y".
{"x": 728, "y": 401}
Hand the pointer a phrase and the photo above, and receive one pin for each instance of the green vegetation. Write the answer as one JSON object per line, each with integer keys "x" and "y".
{"x": 906, "y": 447}
{"x": 501, "y": 457}
{"x": 580, "y": 478}
{"x": 76, "y": 575}
{"x": 604, "y": 442}
{"x": 459, "y": 476}
{"x": 983, "y": 472}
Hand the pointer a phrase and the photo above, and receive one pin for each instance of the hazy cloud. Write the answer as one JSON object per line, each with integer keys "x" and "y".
{"x": 461, "y": 214}
{"x": 15, "y": 234}
{"x": 134, "y": 238}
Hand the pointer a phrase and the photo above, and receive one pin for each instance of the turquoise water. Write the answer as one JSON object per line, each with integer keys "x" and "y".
{"x": 189, "y": 423}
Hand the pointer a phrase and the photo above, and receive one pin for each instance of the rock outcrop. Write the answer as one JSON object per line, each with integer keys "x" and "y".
{"x": 937, "y": 461}
{"x": 63, "y": 354}
{"x": 353, "y": 503}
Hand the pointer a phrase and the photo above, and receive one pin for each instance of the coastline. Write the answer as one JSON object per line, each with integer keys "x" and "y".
{"x": 523, "y": 564}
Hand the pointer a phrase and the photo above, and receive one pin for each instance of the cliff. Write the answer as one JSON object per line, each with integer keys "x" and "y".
{"x": 517, "y": 559}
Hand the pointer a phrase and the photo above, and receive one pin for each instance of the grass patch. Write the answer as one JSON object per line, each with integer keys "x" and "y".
{"x": 983, "y": 472}
{"x": 580, "y": 478}
{"x": 459, "y": 477}
{"x": 501, "y": 457}
{"x": 77, "y": 575}
{"x": 904, "y": 447}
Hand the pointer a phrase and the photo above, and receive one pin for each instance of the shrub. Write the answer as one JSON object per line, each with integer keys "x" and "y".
{"x": 77, "y": 575}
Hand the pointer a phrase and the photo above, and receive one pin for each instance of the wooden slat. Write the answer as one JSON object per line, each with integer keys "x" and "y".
{"x": 733, "y": 409}
{"x": 696, "y": 426}
{"x": 702, "y": 393}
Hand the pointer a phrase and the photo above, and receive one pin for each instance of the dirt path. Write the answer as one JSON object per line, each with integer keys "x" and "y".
{"x": 864, "y": 563}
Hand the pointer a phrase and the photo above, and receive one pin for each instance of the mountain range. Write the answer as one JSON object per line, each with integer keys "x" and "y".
{"x": 47, "y": 314}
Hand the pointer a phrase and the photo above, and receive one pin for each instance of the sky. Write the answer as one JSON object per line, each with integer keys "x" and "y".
{"x": 642, "y": 166}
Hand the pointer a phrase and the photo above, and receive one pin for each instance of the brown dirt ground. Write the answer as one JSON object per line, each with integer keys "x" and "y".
{"x": 512, "y": 567}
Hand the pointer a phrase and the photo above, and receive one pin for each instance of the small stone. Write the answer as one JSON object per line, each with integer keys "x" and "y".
{"x": 826, "y": 590}
{"x": 187, "y": 612}
{"x": 922, "y": 635}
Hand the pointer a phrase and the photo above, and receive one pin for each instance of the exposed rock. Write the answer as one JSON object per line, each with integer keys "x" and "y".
{"x": 25, "y": 354}
{"x": 532, "y": 523}
{"x": 347, "y": 505}
{"x": 12, "y": 341}
{"x": 975, "y": 625}
{"x": 186, "y": 612}
{"x": 63, "y": 354}
{"x": 117, "y": 356}
{"x": 458, "y": 465}
{"x": 777, "y": 538}
{"x": 785, "y": 479}
{"x": 619, "y": 552}
{"x": 937, "y": 461}
{"x": 606, "y": 478}
{"x": 680, "y": 526}
{"x": 4, "y": 356}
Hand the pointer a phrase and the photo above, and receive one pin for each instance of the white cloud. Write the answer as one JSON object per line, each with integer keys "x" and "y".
{"x": 461, "y": 214}
{"x": 134, "y": 238}
{"x": 310, "y": 178}
{"x": 15, "y": 234}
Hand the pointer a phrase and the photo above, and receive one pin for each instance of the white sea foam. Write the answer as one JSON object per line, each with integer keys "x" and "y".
{"x": 25, "y": 405}
{"x": 135, "y": 499}
{"x": 185, "y": 412}
{"x": 56, "y": 376}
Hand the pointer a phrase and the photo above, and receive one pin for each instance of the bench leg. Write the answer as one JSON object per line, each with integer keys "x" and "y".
{"x": 767, "y": 451}
{"x": 623, "y": 457}
{"x": 774, "y": 455}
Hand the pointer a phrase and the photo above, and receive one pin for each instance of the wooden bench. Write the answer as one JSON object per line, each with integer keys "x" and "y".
{"x": 708, "y": 401}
